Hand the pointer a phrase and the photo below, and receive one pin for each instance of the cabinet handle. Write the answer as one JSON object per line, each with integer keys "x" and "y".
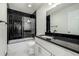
{"x": 3, "y": 22}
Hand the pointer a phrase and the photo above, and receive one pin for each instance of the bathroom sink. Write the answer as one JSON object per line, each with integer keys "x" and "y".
{"x": 47, "y": 37}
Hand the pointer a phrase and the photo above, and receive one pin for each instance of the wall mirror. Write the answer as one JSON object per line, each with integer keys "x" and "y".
{"x": 63, "y": 18}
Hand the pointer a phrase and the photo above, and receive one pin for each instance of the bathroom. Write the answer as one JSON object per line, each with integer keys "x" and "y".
{"x": 39, "y": 29}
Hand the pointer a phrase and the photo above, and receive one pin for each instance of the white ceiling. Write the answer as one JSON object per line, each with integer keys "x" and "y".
{"x": 59, "y": 7}
{"x": 23, "y": 7}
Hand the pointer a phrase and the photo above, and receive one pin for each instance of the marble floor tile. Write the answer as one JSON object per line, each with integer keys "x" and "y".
{"x": 21, "y": 48}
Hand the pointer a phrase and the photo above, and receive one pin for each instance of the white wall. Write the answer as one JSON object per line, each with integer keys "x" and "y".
{"x": 61, "y": 18}
{"x": 41, "y": 19}
{"x": 3, "y": 11}
{"x": 3, "y": 29}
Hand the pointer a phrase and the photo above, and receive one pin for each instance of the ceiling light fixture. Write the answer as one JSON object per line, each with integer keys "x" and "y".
{"x": 29, "y": 5}
{"x": 28, "y": 21}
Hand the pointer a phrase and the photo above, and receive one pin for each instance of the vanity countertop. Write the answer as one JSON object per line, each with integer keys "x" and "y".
{"x": 68, "y": 45}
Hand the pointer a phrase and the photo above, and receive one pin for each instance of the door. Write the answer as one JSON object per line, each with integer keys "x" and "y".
{"x": 3, "y": 38}
{"x": 15, "y": 26}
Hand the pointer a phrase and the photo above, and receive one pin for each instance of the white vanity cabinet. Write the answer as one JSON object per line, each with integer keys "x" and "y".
{"x": 44, "y": 48}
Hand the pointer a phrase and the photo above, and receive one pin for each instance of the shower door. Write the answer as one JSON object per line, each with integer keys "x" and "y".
{"x": 15, "y": 26}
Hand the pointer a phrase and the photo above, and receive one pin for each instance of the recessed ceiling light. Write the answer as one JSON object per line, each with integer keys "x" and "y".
{"x": 28, "y": 21}
{"x": 29, "y": 5}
